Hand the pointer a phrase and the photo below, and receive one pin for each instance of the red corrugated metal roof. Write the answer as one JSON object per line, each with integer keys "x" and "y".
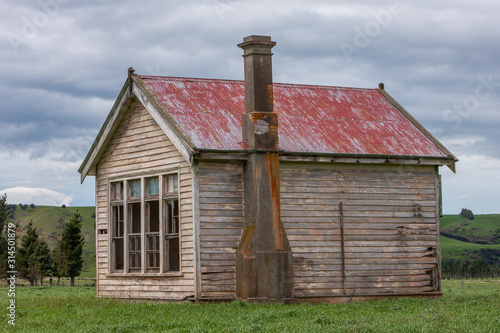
{"x": 312, "y": 119}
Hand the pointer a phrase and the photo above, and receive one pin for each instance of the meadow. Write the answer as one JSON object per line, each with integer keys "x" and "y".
{"x": 475, "y": 308}
{"x": 452, "y": 248}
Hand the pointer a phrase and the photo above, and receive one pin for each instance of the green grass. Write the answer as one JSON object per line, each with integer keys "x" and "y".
{"x": 484, "y": 224}
{"x": 452, "y": 248}
{"x": 46, "y": 221}
{"x": 474, "y": 309}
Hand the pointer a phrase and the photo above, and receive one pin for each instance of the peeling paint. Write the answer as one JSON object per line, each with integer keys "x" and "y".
{"x": 313, "y": 119}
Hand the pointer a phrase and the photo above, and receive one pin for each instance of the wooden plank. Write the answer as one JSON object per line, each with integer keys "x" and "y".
{"x": 367, "y": 201}
{"x": 386, "y": 261}
{"x": 342, "y": 245}
{"x": 205, "y": 201}
{"x": 310, "y": 237}
{"x": 402, "y": 243}
{"x": 290, "y": 190}
{"x": 217, "y": 269}
{"x": 336, "y": 275}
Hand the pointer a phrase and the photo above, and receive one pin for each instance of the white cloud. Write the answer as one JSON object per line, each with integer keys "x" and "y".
{"x": 37, "y": 196}
{"x": 475, "y": 186}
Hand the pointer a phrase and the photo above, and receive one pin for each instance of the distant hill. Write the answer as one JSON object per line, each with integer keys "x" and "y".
{"x": 49, "y": 220}
{"x": 483, "y": 229}
{"x": 470, "y": 248}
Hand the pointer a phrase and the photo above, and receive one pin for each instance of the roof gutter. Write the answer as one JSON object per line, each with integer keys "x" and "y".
{"x": 449, "y": 159}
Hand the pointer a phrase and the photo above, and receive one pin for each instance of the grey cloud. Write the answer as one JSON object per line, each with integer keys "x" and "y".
{"x": 63, "y": 81}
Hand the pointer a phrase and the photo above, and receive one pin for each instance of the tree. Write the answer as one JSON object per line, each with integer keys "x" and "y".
{"x": 43, "y": 261}
{"x": 68, "y": 254}
{"x": 4, "y": 212}
{"x": 60, "y": 260}
{"x": 25, "y": 252}
{"x": 4, "y": 216}
{"x": 467, "y": 214}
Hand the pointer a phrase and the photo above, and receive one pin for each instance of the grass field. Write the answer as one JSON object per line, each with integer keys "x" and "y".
{"x": 484, "y": 224}
{"x": 452, "y": 248}
{"x": 481, "y": 229}
{"x": 476, "y": 308}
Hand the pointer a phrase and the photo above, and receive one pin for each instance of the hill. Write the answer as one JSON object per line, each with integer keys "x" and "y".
{"x": 49, "y": 221}
{"x": 470, "y": 239}
{"x": 483, "y": 229}
{"x": 452, "y": 248}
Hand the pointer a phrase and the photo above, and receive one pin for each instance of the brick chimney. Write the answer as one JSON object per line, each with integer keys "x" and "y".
{"x": 264, "y": 263}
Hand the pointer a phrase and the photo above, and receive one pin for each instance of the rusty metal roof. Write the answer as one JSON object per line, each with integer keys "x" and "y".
{"x": 312, "y": 119}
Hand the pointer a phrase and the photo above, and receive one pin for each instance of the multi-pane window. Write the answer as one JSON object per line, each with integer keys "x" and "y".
{"x": 145, "y": 235}
{"x": 117, "y": 225}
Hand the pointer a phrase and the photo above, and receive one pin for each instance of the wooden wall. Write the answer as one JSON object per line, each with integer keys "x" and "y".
{"x": 140, "y": 147}
{"x": 222, "y": 219}
{"x": 389, "y": 228}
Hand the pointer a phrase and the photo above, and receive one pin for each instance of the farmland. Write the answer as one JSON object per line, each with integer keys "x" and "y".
{"x": 56, "y": 309}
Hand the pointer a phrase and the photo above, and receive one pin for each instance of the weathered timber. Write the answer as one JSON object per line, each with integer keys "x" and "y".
{"x": 127, "y": 155}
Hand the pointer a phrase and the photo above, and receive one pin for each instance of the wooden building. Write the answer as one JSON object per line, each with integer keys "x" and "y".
{"x": 345, "y": 205}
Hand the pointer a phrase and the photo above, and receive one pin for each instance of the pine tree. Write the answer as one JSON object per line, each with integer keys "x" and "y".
{"x": 25, "y": 254}
{"x": 4, "y": 214}
{"x": 68, "y": 255}
{"x": 43, "y": 260}
{"x": 60, "y": 260}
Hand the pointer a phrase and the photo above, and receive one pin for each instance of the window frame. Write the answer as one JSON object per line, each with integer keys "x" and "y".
{"x": 145, "y": 203}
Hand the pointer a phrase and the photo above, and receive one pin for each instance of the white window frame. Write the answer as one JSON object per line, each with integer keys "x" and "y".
{"x": 162, "y": 197}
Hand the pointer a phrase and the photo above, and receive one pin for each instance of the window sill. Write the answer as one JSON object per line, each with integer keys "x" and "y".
{"x": 145, "y": 275}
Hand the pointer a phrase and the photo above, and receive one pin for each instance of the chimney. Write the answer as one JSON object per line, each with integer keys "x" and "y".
{"x": 264, "y": 263}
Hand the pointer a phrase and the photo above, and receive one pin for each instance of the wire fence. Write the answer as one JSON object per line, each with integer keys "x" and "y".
{"x": 54, "y": 282}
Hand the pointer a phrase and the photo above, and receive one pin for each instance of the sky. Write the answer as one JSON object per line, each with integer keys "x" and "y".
{"x": 63, "y": 63}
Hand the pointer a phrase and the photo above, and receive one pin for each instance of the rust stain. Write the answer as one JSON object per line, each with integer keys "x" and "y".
{"x": 272, "y": 164}
{"x": 315, "y": 119}
{"x": 246, "y": 239}
{"x": 270, "y": 89}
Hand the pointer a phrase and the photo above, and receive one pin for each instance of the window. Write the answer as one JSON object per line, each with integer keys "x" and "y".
{"x": 145, "y": 225}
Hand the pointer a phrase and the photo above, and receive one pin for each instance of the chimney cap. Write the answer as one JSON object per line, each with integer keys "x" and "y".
{"x": 256, "y": 40}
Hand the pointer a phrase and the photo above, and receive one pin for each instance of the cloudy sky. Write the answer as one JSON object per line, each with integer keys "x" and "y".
{"x": 63, "y": 63}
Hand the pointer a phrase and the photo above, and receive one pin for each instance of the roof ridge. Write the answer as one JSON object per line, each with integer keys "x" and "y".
{"x": 181, "y": 78}
{"x": 303, "y": 85}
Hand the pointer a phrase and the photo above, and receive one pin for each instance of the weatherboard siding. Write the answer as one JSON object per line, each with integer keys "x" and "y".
{"x": 139, "y": 147}
{"x": 389, "y": 224}
{"x": 221, "y": 213}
